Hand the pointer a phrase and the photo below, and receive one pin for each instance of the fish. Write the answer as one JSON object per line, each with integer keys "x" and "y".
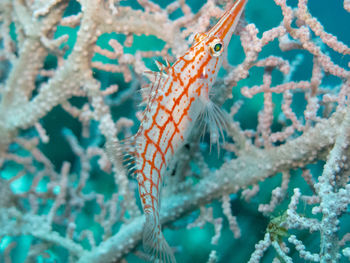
{"x": 178, "y": 97}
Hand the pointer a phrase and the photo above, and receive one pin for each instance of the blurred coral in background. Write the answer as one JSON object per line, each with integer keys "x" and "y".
{"x": 70, "y": 75}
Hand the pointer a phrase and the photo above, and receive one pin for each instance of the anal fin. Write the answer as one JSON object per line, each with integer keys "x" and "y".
{"x": 124, "y": 151}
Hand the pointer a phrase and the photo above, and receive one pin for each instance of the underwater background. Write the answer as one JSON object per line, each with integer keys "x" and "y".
{"x": 191, "y": 245}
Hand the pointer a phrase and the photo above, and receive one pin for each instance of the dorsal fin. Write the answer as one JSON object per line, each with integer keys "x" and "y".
{"x": 160, "y": 65}
{"x": 148, "y": 90}
{"x": 145, "y": 93}
{"x": 152, "y": 76}
{"x": 164, "y": 69}
{"x": 167, "y": 64}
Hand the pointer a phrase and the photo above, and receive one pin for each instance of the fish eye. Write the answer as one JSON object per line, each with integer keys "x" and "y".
{"x": 216, "y": 48}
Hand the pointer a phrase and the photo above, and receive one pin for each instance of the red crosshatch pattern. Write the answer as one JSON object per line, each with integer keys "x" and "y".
{"x": 168, "y": 114}
{"x": 164, "y": 133}
{"x": 177, "y": 97}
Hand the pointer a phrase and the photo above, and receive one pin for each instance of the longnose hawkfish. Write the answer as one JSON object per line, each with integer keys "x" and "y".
{"x": 178, "y": 96}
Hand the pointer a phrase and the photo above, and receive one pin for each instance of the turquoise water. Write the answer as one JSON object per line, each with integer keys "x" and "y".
{"x": 193, "y": 245}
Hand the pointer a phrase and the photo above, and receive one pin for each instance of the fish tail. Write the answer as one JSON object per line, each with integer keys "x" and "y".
{"x": 154, "y": 241}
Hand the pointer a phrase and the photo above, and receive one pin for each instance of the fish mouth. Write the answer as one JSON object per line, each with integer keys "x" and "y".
{"x": 227, "y": 24}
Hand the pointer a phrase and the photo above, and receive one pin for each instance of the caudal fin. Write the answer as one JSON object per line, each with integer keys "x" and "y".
{"x": 154, "y": 242}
